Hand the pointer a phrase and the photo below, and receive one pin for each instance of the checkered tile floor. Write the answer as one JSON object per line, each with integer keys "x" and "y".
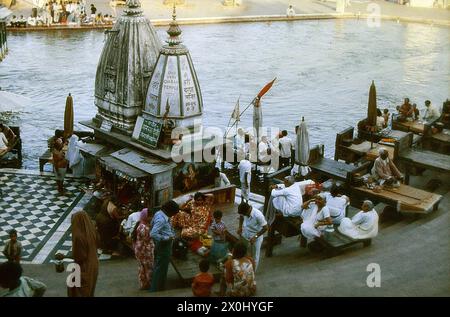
{"x": 31, "y": 205}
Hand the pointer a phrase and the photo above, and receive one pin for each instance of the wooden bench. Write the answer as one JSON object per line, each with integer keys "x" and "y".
{"x": 44, "y": 159}
{"x": 335, "y": 242}
{"x": 405, "y": 199}
{"x": 412, "y": 158}
{"x": 331, "y": 168}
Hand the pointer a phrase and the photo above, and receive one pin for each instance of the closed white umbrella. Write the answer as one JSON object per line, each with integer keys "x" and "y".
{"x": 302, "y": 148}
{"x": 10, "y": 102}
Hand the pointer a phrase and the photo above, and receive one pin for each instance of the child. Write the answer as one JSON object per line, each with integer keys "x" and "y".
{"x": 386, "y": 116}
{"x": 204, "y": 281}
{"x": 13, "y": 248}
{"x": 219, "y": 248}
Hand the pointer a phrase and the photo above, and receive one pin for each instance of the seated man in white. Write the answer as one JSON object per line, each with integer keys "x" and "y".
{"x": 337, "y": 204}
{"x": 363, "y": 225}
{"x": 385, "y": 171}
{"x": 316, "y": 217}
{"x": 284, "y": 199}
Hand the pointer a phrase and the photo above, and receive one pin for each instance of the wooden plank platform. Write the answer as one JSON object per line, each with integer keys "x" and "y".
{"x": 424, "y": 159}
{"x": 334, "y": 242}
{"x": 405, "y": 199}
{"x": 331, "y": 168}
{"x": 409, "y": 126}
{"x": 370, "y": 151}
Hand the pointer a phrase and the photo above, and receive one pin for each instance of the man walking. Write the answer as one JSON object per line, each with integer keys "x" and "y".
{"x": 252, "y": 226}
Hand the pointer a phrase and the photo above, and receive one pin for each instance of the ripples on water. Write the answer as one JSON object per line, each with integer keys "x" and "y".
{"x": 324, "y": 69}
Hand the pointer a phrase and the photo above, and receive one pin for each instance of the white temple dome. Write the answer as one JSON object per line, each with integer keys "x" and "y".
{"x": 174, "y": 91}
{"x": 125, "y": 68}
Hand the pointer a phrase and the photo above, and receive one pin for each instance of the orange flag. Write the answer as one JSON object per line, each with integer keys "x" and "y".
{"x": 266, "y": 89}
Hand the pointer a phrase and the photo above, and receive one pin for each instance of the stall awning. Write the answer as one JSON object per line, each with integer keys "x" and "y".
{"x": 92, "y": 149}
{"x": 121, "y": 169}
{"x": 144, "y": 163}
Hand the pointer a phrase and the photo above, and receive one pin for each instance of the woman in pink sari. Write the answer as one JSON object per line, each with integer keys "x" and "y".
{"x": 143, "y": 249}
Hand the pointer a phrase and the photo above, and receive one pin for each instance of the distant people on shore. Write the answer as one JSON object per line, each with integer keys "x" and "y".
{"x": 57, "y": 12}
{"x": 290, "y": 12}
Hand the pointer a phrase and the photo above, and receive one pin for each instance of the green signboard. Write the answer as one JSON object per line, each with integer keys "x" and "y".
{"x": 150, "y": 132}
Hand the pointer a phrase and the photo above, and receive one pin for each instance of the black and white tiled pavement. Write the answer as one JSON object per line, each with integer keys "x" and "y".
{"x": 30, "y": 204}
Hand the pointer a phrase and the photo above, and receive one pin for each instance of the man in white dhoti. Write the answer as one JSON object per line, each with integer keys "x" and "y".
{"x": 385, "y": 171}
{"x": 264, "y": 154}
{"x": 245, "y": 176}
{"x": 316, "y": 217}
{"x": 337, "y": 204}
{"x": 285, "y": 200}
{"x": 363, "y": 225}
{"x": 432, "y": 113}
{"x": 238, "y": 144}
{"x": 74, "y": 157}
{"x": 252, "y": 226}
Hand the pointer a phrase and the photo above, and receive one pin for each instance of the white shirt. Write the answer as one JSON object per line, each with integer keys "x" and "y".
{"x": 262, "y": 151}
{"x": 253, "y": 223}
{"x": 239, "y": 142}
{"x": 311, "y": 214}
{"x": 431, "y": 113}
{"x": 286, "y": 146}
{"x": 222, "y": 180}
{"x": 337, "y": 206}
{"x": 3, "y": 141}
{"x": 288, "y": 200}
{"x": 245, "y": 167}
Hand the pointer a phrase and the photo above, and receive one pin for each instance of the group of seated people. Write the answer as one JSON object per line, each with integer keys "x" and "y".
{"x": 63, "y": 12}
{"x": 410, "y": 112}
{"x": 7, "y": 139}
{"x": 322, "y": 211}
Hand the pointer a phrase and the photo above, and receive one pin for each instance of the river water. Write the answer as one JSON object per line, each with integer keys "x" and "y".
{"x": 324, "y": 70}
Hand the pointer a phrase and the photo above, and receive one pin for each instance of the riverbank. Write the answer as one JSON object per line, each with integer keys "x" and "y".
{"x": 205, "y": 12}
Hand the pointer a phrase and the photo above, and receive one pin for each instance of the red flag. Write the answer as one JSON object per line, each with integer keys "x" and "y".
{"x": 266, "y": 89}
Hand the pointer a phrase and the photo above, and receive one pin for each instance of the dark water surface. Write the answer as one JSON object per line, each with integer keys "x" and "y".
{"x": 324, "y": 69}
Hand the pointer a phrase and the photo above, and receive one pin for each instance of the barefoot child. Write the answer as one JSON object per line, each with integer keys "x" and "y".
{"x": 13, "y": 248}
{"x": 219, "y": 248}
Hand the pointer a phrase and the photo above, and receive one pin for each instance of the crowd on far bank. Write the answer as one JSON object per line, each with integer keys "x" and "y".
{"x": 59, "y": 12}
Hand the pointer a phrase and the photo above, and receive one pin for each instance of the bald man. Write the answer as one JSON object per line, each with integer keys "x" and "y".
{"x": 385, "y": 171}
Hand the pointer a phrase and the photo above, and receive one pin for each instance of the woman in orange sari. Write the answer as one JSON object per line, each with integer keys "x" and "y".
{"x": 84, "y": 249}
{"x": 195, "y": 217}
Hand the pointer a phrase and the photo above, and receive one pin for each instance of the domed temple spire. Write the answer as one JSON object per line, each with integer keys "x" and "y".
{"x": 174, "y": 82}
{"x": 174, "y": 30}
{"x": 125, "y": 68}
{"x": 133, "y": 7}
